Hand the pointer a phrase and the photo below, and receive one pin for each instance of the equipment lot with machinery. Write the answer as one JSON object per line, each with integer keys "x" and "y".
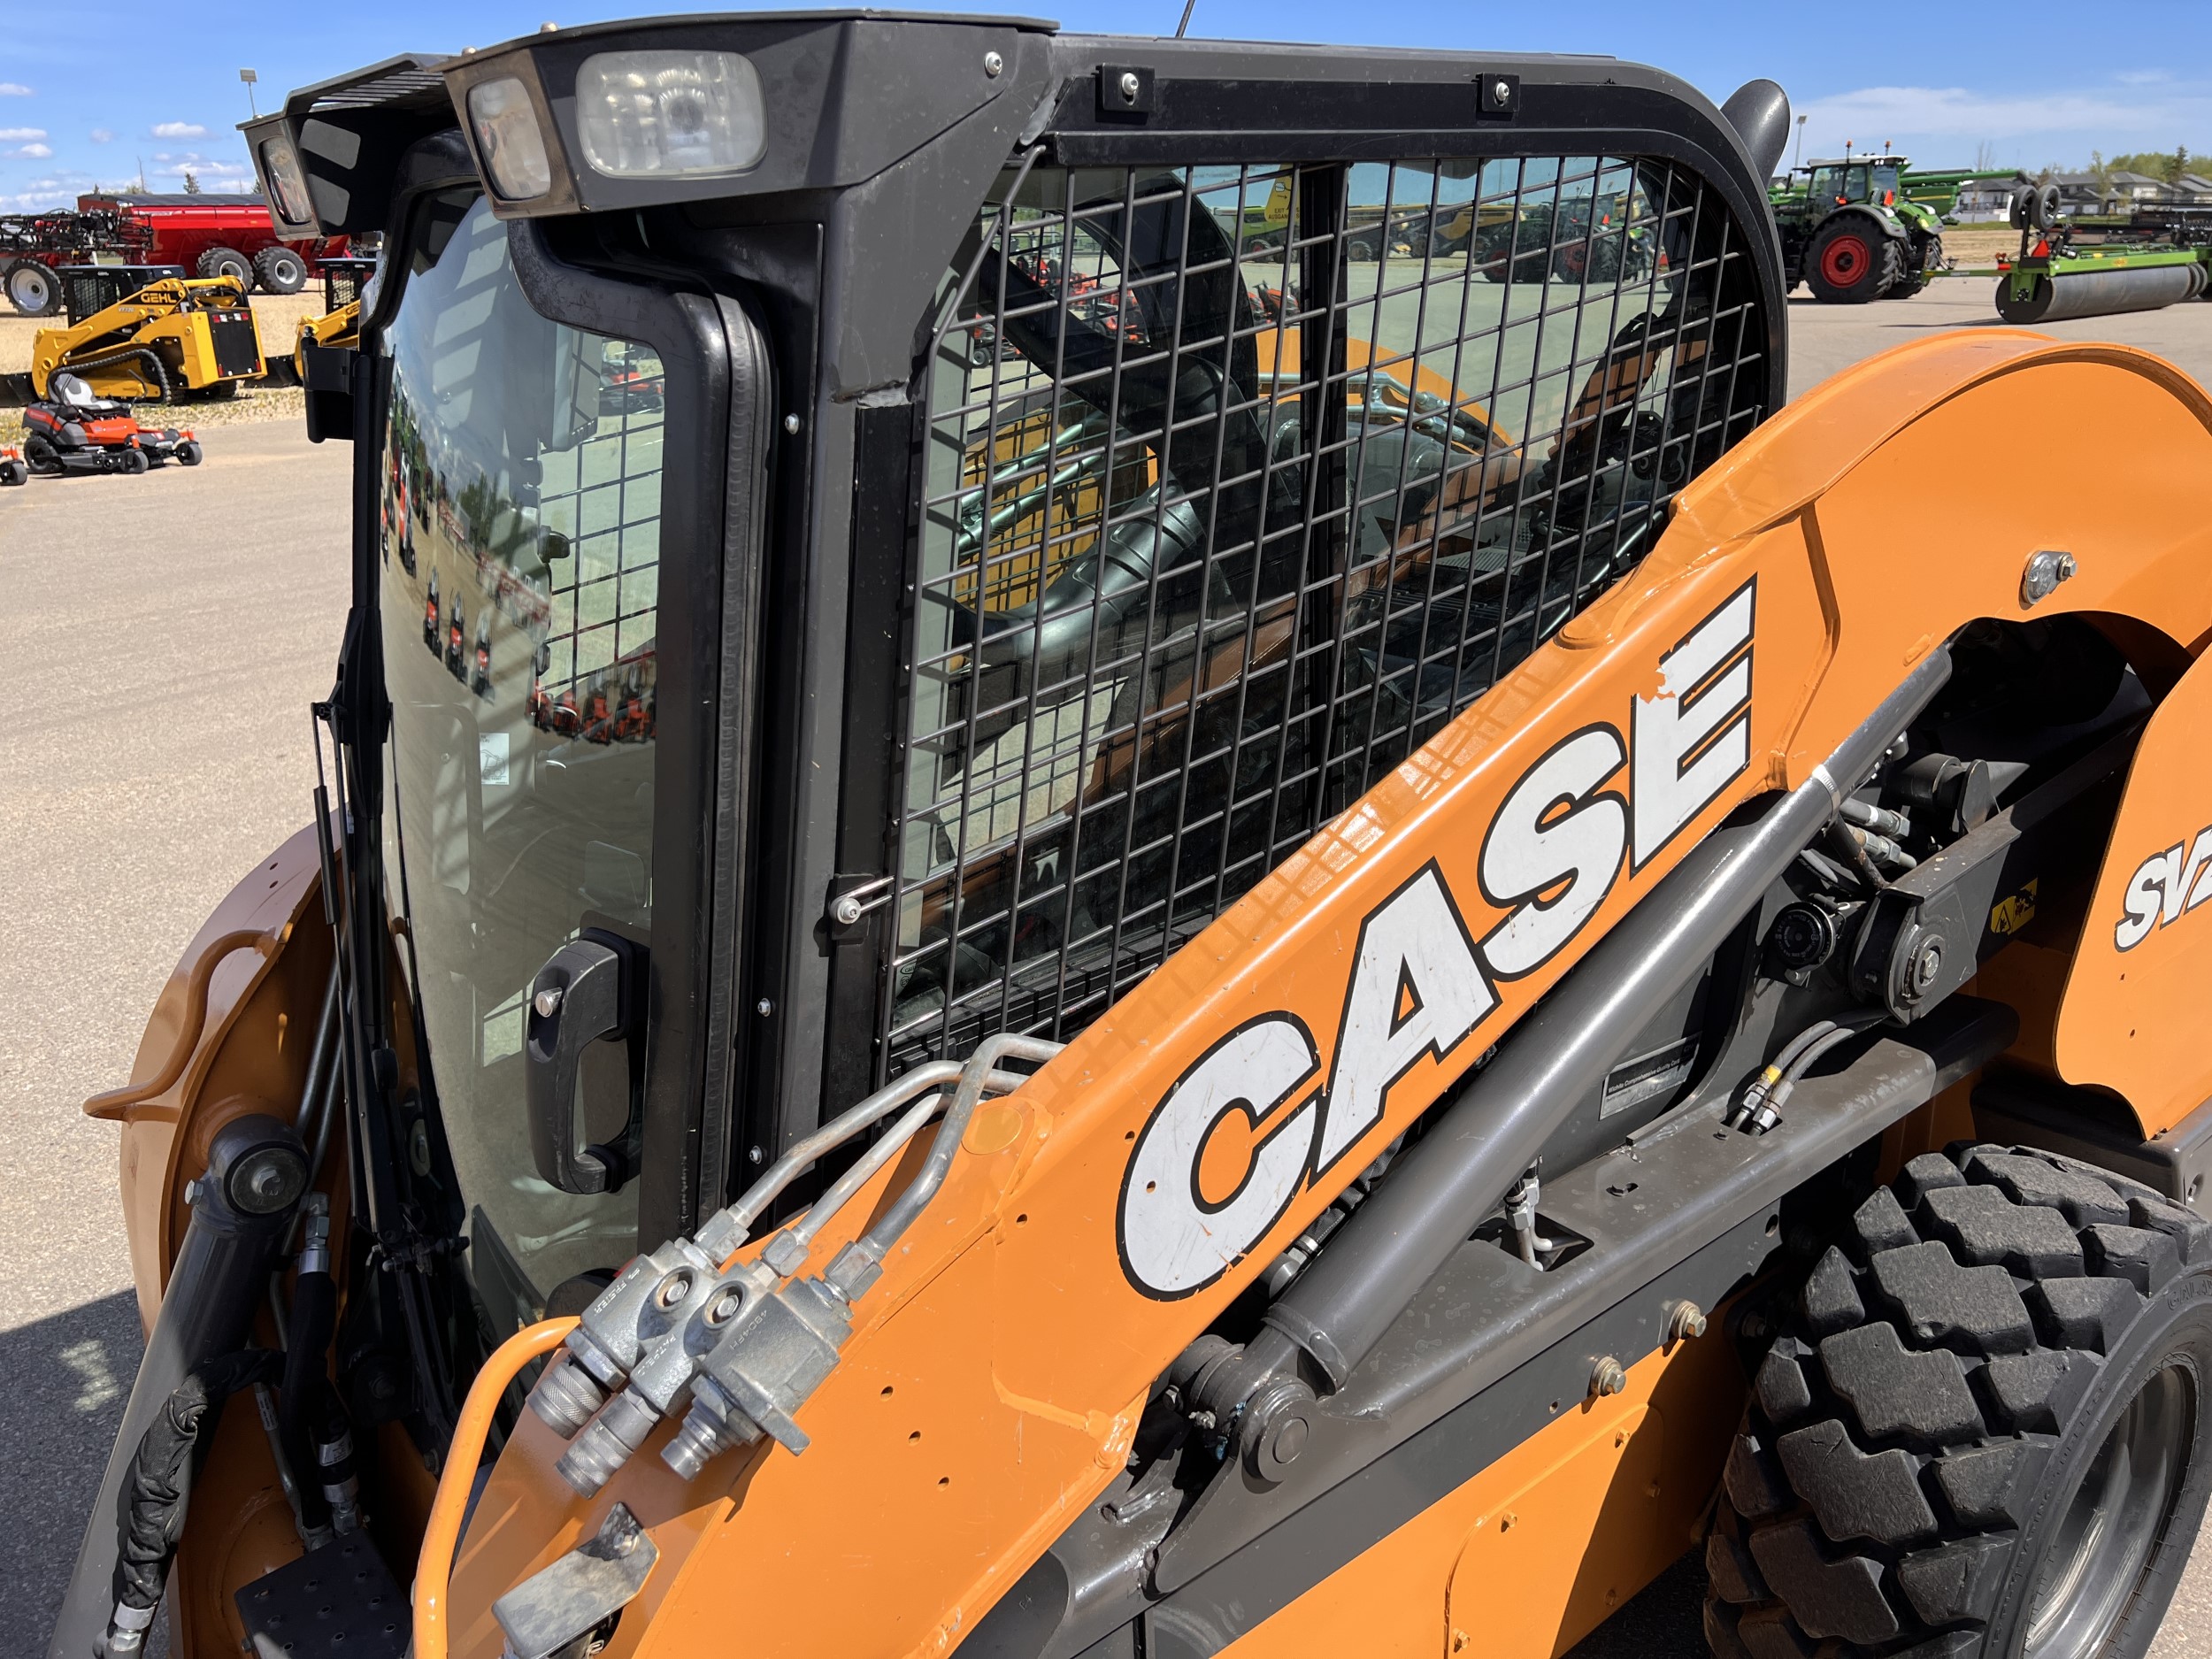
{"x": 1208, "y": 1335}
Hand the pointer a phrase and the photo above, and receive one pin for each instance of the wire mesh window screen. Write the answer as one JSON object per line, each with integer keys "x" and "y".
{"x": 1240, "y": 483}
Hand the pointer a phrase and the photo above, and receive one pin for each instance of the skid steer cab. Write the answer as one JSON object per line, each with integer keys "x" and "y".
{"x": 1083, "y": 885}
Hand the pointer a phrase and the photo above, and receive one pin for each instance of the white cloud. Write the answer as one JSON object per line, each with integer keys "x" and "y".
{"x": 179, "y": 129}
{"x": 34, "y": 152}
{"x": 40, "y": 194}
{"x": 2142, "y": 77}
{"x": 212, "y": 172}
{"x": 101, "y": 135}
{"x": 13, "y": 89}
{"x": 1942, "y": 121}
{"x": 21, "y": 134}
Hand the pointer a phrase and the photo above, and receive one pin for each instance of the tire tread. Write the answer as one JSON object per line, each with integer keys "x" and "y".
{"x": 1902, "y": 1422}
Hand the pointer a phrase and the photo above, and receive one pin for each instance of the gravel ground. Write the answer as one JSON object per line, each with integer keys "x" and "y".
{"x": 173, "y": 628}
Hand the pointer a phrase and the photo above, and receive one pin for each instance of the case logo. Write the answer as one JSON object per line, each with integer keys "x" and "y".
{"x": 2165, "y": 888}
{"x": 1251, "y": 1124}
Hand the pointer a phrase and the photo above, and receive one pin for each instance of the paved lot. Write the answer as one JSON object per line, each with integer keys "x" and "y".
{"x": 1827, "y": 338}
{"x": 164, "y": 635}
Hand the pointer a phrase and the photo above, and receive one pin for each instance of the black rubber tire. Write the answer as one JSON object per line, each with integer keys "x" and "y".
{"x": 13, "y": 472}
{"x": 278, "y": 270}
{"x": 188, "y": 453}
{"x": 1876, "y": 264}
{"x": 1904, "y": 1477}
{"x": 136, "y": 461}
{"x": 31, "y": 287}
{"x": 225, "y": 261}
{"x": 40, "y": 455}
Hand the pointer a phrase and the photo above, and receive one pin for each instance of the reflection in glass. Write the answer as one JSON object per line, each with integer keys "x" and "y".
{"x": 519, "y": 506}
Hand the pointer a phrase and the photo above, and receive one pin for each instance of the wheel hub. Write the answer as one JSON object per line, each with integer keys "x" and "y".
{"x": 2114, "y": 1521}
{"x": 1845, "y": 260}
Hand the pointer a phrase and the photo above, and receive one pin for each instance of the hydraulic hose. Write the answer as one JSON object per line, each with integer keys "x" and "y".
{"x": 306, "y": 1343}
{"x": 158, "y": 1486}
{"x": 1440, "y": 1187}
{"x": 1761, "y": 1107}
{"x": 241, "y": 1211}
{"x": 434, "y": 1569}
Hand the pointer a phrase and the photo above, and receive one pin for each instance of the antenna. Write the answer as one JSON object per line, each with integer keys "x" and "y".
{"x": 249, "y": 77}
{"x": 1189, "y": 6}
{"x": 1799, "y": 156}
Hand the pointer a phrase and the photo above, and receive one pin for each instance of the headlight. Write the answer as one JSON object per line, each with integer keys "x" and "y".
{"x": 654, "y": 115}
{"x": 507, "y": 133}
{"x": 282, "y": 168}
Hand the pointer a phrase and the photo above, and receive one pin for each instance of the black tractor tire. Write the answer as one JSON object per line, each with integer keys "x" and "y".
{"x": 31, "y": 287}
{"x": 189, "y": 453}
{"x": 1921, "y": 267}
{"x": 225, "y": 261}
{"x": 1850, "y": 262}
{"x": 1597, "y": 260}
{"x": 40, "y": 455}
{"x": 278, "y": 270}
{"x": 13, "y": 472}
{"x": 136, "y": 461}
{"x": 1988, "y": 1417}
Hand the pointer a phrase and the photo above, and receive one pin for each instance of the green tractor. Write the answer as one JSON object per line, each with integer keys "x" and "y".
{"x": 1849, "y": 230}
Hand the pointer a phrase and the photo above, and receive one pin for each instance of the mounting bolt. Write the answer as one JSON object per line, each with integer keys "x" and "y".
{"x": 791, "y": 423}
{"x": 1684, "y": 1320}
{"x": 993, "y": 65}
{"x": 673, "y": 1289}
{"x": 1501, "y": 93}
{"x": 1130, "y": 86}
{"x": 1927, "y": 965}
{"x": 845, "y": 910}
{"x": 1275, "y": 1427}
{"x": 2046, "y": 569}
{"x": 1607, "y": 1376}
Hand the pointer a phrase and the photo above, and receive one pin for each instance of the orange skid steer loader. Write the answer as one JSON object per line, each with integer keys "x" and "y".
{"x": 1228, "y": 950}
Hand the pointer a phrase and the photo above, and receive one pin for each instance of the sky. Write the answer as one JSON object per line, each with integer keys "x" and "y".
{"x": 2023, "y": 83}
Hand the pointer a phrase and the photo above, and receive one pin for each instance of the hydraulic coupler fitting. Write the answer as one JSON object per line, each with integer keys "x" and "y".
{"x": 777, "y": 1350}
{"x": 341, "y": 1488}
{"x": 660, "y": 1377}
{"x": 654, "y": 1295}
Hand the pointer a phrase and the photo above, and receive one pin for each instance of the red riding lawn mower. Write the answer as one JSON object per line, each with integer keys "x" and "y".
{"x": 75, "y": 431}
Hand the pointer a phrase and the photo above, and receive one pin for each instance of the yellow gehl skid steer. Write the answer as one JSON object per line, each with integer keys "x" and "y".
{"x": 149, "y": 331}
{"x": 1062, "y": 909}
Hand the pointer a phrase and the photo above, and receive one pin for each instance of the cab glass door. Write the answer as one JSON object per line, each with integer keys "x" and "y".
{"x": 518, "y": 497}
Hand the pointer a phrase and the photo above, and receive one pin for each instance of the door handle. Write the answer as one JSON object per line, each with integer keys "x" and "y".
{"x": 591, "y": 989}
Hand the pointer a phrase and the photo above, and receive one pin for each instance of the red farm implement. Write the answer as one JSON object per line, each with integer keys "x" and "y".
{"x": 208, "y": 236}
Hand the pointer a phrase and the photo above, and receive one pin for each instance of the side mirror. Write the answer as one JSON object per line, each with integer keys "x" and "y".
{"x": 590, "y": 990}
{"x": 328, "y": 376}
